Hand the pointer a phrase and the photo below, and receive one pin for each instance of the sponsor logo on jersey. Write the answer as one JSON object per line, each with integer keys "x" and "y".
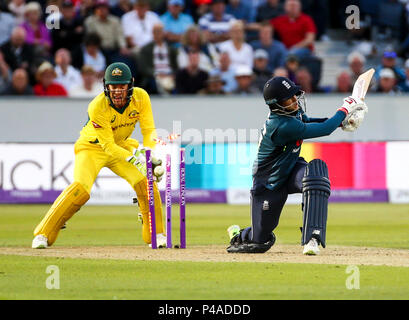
{"x": 123, "y": 125}
{"x": 133, "y": 114}
{"x": 96, "y": 125}
{"x": 116, "y": 72}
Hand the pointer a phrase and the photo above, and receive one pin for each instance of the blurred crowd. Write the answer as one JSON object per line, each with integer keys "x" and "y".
{"x": 208, "y": 47}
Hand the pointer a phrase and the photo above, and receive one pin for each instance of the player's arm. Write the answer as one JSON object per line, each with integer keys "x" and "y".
{"x": 307, "y": 41}
{"x": 307, "y": 119}
{"x": 147, "y": 123}
{"x": 298, "y": 130}
{"x": 322, "y": 128}
{"x": 295, "y": 130}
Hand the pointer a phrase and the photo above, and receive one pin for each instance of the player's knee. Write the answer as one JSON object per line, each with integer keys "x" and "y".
{"x": 83, "y": 186}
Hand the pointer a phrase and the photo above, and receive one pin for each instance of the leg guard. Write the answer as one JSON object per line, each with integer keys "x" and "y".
{"x": 316, "y": 190}
{"x": 64, "y": 207}
{"x": 141, "y": 190}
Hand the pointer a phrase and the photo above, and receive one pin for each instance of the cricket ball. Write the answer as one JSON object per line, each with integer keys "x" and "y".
{"x": 158, "y": 171}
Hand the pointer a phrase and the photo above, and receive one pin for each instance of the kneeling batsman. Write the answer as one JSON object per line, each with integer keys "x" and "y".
{"x": 279, "y": 170}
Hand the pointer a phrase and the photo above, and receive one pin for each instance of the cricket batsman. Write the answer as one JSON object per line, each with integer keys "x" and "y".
{"x": 105, "y": 142}
{"x": 279, "y": 170}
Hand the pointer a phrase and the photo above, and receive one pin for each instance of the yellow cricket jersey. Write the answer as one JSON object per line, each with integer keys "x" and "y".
{"x": 111, "y": 128}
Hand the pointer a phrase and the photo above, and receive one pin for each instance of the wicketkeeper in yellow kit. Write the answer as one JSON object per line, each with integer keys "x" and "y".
{"x": 105, "y": 142}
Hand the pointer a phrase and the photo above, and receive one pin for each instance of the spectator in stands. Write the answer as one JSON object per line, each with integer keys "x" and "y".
{"x": 18, "y": 54}
{"x": 191, "y": 79}
{"x": 387, "y": 82}
{"x": 198, "y": 8}
{"x": 86, "y": 8}
{"x": 19, "y": 85}
{"x": 216, "y": 23}
{"x": 89, "y": 86}
{"x": 138, "y": 25}
{"x": 227, "y": 73}
{"x": 280, "y": 72}
{"x": 16, "y": 7}
{"x": 6, "y": 26}
{"x": 277, "y": 52}
{"x": 260, "y": 69}
{"x": 71, "y": 31}
{"x": 214, "y": 85}
{"x": 292, "y": 64}
{"x": 389, "y": 61}
{"x": 304, "y": 79}
{"x": 121, "y": 7}
{"x": 158, "y": 63}
{"x": 46, "y": 85}
{"x": 176, "y": 22}
{"x": 67, "y": 75}
{"x": 269, "y": 10}
{"x": 296, "y": 30}
{"x": 244, "y": 77}
{"x": 344, "y": 83}
{"x": 193, "y": 40}
{"x": 108, "y": 28}
{"x": 356, "y": 62}
{"x": 159, "y": 6}
{"x": 90, "y": 54}
{"x": 240, "y": 52}
{"x": 5, "y": 73}
{"x": 240, "y": 10}
{"x": 37, "y": 33}
{"x": 405, "y": 85}
{"x": 318, "y": 10}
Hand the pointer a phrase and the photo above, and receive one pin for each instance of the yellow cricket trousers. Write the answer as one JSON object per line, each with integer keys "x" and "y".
{"x": 89, "y": 160}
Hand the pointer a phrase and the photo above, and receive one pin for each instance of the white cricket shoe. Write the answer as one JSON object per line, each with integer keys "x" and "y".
{"x": 160, "y": 241}
{"x": 39, "y": 242}
{"x": 311, "y": 248}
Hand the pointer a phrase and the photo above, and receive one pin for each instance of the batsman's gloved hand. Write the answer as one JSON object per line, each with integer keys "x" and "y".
{"x": 353, "y": 121}
{"x": 355, "y": 116}
{"x": 351, "y": 104}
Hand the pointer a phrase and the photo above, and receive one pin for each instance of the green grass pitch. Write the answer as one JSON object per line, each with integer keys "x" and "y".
{"x": 355, "y": 225}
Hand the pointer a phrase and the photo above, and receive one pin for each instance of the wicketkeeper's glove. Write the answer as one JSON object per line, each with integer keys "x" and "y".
{"x": 138, "y": 159}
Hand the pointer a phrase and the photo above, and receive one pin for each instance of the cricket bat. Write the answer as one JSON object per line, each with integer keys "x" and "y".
{"x": 362, "y": 84}
{"x": 361, "y": 87}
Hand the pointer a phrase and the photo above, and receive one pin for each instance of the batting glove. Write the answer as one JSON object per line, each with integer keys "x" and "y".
{"x": 353, "y": 120}
{"x": 351, "y": 104}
